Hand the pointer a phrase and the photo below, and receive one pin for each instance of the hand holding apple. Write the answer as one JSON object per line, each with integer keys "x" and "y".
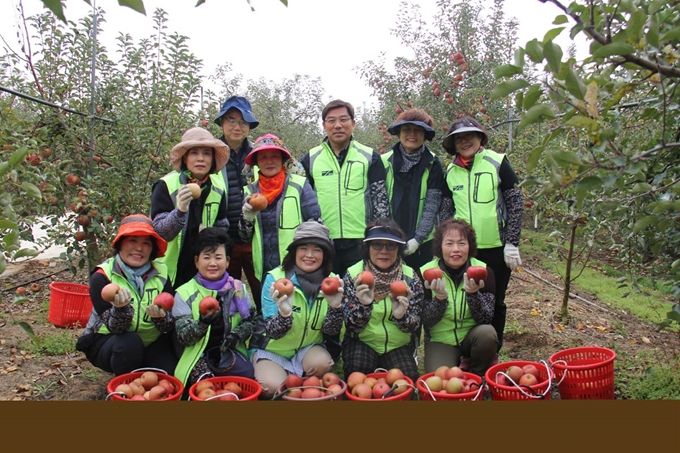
{"x": 154, "y": 311}
{"x": 333, "y": 288}
{"x": 165, "y": 301}
{"x": 364, "y": 292}
{"x": 247, "y": 210}
{"x": 122, "y": 298}
{"x": 184, "y": 197}
{"x": 209, "y": 310}
{"x": 258, "y": 201}
{"x": 470, "y": 286}
{"x": 400, "y": 303}
{"x": 283, "y": 301}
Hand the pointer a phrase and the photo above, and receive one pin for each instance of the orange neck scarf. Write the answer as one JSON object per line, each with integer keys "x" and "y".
{"x": 272, "y": 187}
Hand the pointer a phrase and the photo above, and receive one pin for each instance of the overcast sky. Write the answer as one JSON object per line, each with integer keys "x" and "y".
{"x": 321, "y": 38}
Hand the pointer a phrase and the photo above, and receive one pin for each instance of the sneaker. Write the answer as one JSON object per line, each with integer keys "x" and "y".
{"x": 464, "y": 364}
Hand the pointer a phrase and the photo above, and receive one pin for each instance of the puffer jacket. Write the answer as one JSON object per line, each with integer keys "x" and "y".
{"x": 235, "y": 174}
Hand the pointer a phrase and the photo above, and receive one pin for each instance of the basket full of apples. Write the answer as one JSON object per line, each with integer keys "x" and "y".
{"x": 146, "y": 385}
{"x": 519, "y": 380}
{"x": 225, "y": 388}
{"x": 392, "y": 385}
{"x": 450, "y": 383}
{"x": 328, "y": 387}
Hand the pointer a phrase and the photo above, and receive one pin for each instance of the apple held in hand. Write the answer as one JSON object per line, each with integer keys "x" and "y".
{"x": 476, "y": 273}
{"x": 284, "y": 286}
{"x": 208, "y": 305}
{"x": 195, "y": 190}
{"x": 366, "y": 278}
{"x": 109, "y": 292}
{"x": 258, "y": 201}
{"x": 330, "y": 285}
{"x": 399, "y": 288}
{"x": 165, "y": 301}
{"x": 433, "y": 274}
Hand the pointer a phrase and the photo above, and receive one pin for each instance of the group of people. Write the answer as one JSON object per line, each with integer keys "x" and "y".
{"x": 340, "y": 211}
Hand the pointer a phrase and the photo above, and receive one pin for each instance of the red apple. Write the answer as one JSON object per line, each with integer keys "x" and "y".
{"x": 294, "y": 392}
{"x": 80, "y": 236}
{"x": 284, "y": 286}
{"x": 531, "y": 369}
{"x": 234, "y": 388}
{"x": 21, "y": 291}
{"x": 330, "y": 285}
{"x": 125, "y": 389}
{"x": 393, "y": 374}
{"x": 362, "y": 391}
{"x": 355, "y": 378}
{"x": 157, "y": 392}
{"x": 149, "y": 379}
{"x": 434, "y": 383}
{"x": 35, "y": 287}
{"x": 311, "y": 393}
{"x": 399, "y": 288}
{"x": 329, "y": 379}
{"x": 380, "y": 389}
{"x": 366, "y": 278}
{"x": 334, "y": 389}
{"x": 206, "y": 393}
{"x": 501, "y": 380}
{"x": 401, "y": 385}
{"x": 476, "y": 273}
{"x": 312, "y": 381}
{"x": 293, "y": 380}
{"x": 72, "y": 180}
{"x": 165, "y": 301}
{"x": 169, "y": 388}
{"x": 441, "y": 371}
{"x": 454, "y": 385}
{"x": 137, "y": 398}
{"x": 202, "y": 385}
{"x": 83, "y": 220}
{"x": 514, "y": 372}
{"x": 528, "y": 379}
{"x": 195, "y": 190}
{"x": 455, "y": 372}
{"x": 109, "y": 291}
{"x": 371, "y": 381}
{"x": 208, "y": 305}
{"x": 258, "y": 201}
{"x": 432, "y": 274}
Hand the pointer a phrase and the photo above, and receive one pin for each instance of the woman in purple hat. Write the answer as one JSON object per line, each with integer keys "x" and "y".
{"x": 290, "y": 201}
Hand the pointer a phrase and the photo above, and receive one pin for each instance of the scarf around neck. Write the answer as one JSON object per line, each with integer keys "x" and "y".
{"x": 411, "y": 159}
{"x": 190, "y": 179}
{"x": 309, "y": 281}
{"x": 134, "y": 275}
{"x": 271, "y": 187}
{"x": 223, "y": 286}
{"x": 467, "y": 163}
{"x": 383, "y": 279}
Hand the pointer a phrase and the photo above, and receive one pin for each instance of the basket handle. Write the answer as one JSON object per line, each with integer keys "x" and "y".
{"x": 114, "y": 393}
{"x": 158, "y": 370}
{"x": 380, "y": 370}
{"x": 564, "y": 375}
{"x": 535, "y": 395}
{"x": 395, "y": 387}
{"x": 214, "y": 397}
{"x": 480, "y": 390}
{"x": 427, "y": 387}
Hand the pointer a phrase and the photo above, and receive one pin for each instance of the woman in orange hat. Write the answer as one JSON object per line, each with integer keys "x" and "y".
{"x": 178, "y": 214}
{"x": 131, "y": 332}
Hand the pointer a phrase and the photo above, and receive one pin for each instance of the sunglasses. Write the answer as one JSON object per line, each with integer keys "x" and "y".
{"x": 378, "y": 246}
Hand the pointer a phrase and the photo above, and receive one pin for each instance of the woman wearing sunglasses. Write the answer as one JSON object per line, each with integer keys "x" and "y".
{"x": 381, "y": 325}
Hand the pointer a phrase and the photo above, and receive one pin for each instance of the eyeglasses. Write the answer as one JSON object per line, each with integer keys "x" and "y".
{"x": 332, "y": 120}
{"x": 378, "y": 246}
{"x": 233, "y": 123}
{"x": 464, "y": 137}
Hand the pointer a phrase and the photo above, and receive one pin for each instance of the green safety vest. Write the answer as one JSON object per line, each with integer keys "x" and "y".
{"x": 289, "y": 215}
{"x": 343, "y": 192}
{"x": 457, "y": 320}
{"x": 307, "y": 323}
{"x": 477, "y": 197}
{"x": 141, "y": 322}
{"x": 389, "y": 180}
{"x": 192, "y": 293}
{"x": 209, "y": 215}
{"x": 381, "y": 332}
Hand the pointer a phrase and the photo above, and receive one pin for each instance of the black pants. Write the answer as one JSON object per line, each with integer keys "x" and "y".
{"x": 124, "y": 353}
{"x": 495, "y": 260}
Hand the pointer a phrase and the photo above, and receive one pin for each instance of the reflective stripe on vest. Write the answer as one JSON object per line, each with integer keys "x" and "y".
{"x": 289, "y": 215}
{"x": 477, "y": 197}
{"x": 343, "y": 192}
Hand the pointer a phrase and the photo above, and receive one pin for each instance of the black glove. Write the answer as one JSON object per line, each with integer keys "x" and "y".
{"x": 230, "y": 342}
{"x": 210, "y": 319}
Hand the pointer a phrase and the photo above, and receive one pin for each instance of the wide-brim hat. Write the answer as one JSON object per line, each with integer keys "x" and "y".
{"x": 382, "y": 233}
{"x": 313, "y": 232}
{"x": 267, "y": 142}
{"x": 243, "y": 106}
{"x": 462, "y": 126}
{"x": 195, "y": 137}
{"x": 396, "y": 127}
{"x": 139, "y": 225}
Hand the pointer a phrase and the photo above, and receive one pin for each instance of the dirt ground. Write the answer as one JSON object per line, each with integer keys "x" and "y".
{"x": 531, "y": 333}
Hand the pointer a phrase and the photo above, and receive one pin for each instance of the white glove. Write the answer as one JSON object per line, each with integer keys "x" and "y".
{"x": 438, "y": 288}
{"x": 249, "y": 213}
{"x": 335, "y": 300}
{"x": 470, "y": 286}
{"x": 511, "y": 256}
{"x": 184, "y": 197}
{"x": 364, "y": 292}
{"x": 400, "y": 304}
{"x": 122, "y": 298}
{"x": 411, "y": 247}
{"x": 154, "y": 311}
{"x": 283, "y": 302}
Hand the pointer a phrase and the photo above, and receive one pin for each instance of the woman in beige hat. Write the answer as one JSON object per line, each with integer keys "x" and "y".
{"x": 178, "y": 216}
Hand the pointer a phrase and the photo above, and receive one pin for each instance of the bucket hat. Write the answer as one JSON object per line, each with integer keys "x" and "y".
{"x": 396, "y": 127}
{"x": 243, "y": 106}
{"x": 139, "y": 225}
{"x": 313, "y": 232}
{"x": 266, "y": 142}
{"x": 197, "y": 136}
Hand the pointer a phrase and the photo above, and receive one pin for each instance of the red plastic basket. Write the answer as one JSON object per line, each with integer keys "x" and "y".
{"x": 500, "y": 392}
{"x": 70, "y": 304}
{"x": 250, "y": 389}
{"x": 584, "y": 373}
{"x": 129, "y": 377}
{"x": 472, "y": 395}
{"x": 331, "y": 397}
{"x": 401, "y": 397}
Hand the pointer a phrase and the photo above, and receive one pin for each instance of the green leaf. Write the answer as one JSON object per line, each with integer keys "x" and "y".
{"x": 137, "y": 5}
{"x": 575, "y": 86}
{"x": 519, "y": 57}
{"x": 553, "y": 53}
{"x": 6, "y": 224}
{"x": 17, "y": 156}
{"x": 56, "y": 7}
{"x": 505, "y": 88}
{"x": 590, "y": 183}
{"x": 200, "y": 2}
{"x": 655, "y": 6}
{"x": 29, "y": 330}
{"x": 615, "y": 48}
{"x": 552, "y": 34}
{"x": 535, "y": 50}
{"x": 672, "y": 35}
{"x": 535, "y": 114}
{"x": 4, "y": 168}
{"x": 24, "y": 253}
{"x": 566, "y": 157}
{"x": 582, "y": 122}
{"x": 653, "y": 32}
{"x": 675, "y": 264}
{"x": 635, "y": 23}
{"x": 31, "y": 190}
{"x": 3, "y": 263}
{"x": 561, "y": 19}
{"x": 644, "y": 222}
{"x": 673, "y": 315}
{"x": 533, "y": 157}
{"x": 532, "y": 95}
{"x": 506, "y": 70}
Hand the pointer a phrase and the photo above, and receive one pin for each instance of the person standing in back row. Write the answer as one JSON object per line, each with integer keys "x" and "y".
{"x": 236, "y": 120}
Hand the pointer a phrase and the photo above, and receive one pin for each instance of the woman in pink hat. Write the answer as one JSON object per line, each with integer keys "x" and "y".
{"x": 290, "y": 201}
{"x": 130, "y": 332}
{"x": 178, "y": 216}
